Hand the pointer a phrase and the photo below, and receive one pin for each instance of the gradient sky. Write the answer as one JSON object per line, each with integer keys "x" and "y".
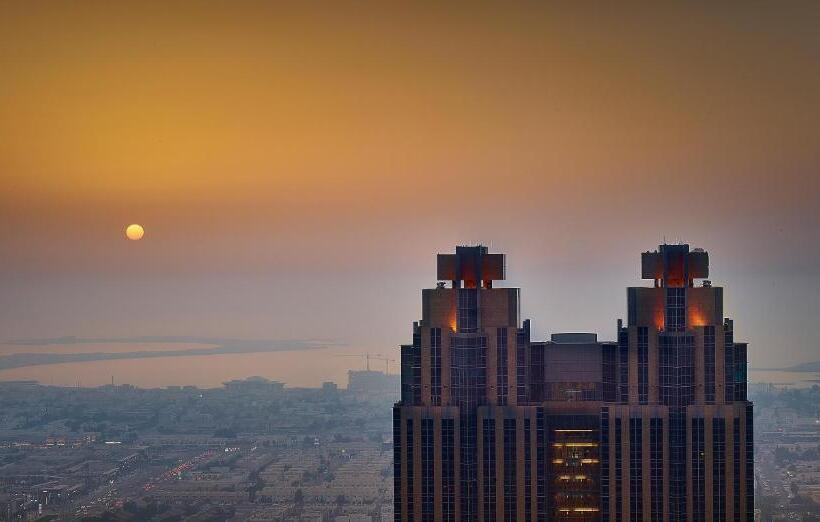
{"x": 296, "y": 169}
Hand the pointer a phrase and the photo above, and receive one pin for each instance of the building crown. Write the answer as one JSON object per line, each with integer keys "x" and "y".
{"x": 472, "y": 266}
{"x": 675, "y": 265}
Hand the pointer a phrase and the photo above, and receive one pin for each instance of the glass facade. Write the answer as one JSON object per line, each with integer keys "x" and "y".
{"x": 604, "y": 458}
{"x": 676, "y": 372}
{"x": 448, "y": 470}
{"x": 656, "y": 457}
{"x": 502, "y": 377}
{"x": 467, "y": 310}
{"x": 709, "y": 364}
{"x": 435, "y": 366}
{"x": 609, "y": 372}
{"x": 536, "y": 374}
{"x": 510, "y": 462}
{"x": 740, "y": 371}
{"x": 411, "y": 479}
{"x": 675, "y": 320}
{"x": 427, "y": 478}
{"x": 411, "y": 370}
{"x": 698, "y": 470}
{"x": 489, "y": 492}
{"x": 397, "y": 463}
{"x": 541, "y": 480}
{"x": 411, "y": 373}
{"x": 677, "y": 464}
{"x": 619, "y": 470}
{"x": 718, "y": 469}
{"x": 623, "y": 367}
{"x": 750, "y": 463}
{"x": 635, "y": 470}
{"x": 468, "y": 467}
{"x": 729, "y": 362}
{"x": 643, "y": 364}
{"x": 736, "y": 468}
{"x": 527, "y": 470}
{"x": 407, "y": 374}
{"x": 521, "y": 385}
{"x": 468, "y": 375}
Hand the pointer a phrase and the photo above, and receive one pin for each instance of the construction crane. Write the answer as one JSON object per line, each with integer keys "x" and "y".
{"x": 367, "y": 356}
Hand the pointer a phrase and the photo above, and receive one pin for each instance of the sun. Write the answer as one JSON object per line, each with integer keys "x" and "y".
{"x": 134, "y": 232}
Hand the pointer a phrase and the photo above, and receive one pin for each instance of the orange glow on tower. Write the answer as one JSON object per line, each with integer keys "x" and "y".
{"x": 696, "y": 317}
{"x": 659, "y": 319}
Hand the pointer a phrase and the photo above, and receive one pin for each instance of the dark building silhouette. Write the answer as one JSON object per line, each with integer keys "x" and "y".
{"x": 492, "y": 425}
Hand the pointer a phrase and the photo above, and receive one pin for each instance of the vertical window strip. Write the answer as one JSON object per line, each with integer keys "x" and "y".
{"x": 510, "y": 461}
{"x": 521, "y": 367}
{"x": 709, "y": 364}
{"x": 427, "y": 477}
{"x": 736, "y": 493}
{"x": 656, "y": 458}
{"x": 604, "y": 459}
{"x": 410, "y": 472}
{"x": 643, "y": 365}
{"x": 541, "y": 465}
{"x": 728, "y": 365}
{"x": 698, "y": 471}
{"x": 677, "y": 464}
{"x": 502, "y": 385}
{"x": 489, "y": 470}
{"x": 718, "y": 468}
{"x": 397, "y": 463}
{"x": 619, "y": 473}
{"x": 435, "y": 363}
{"x": 448, "y": 466}
{"x": 635, "y": 469}
{"x": 750, "y": 464}
{"x": 527, "y": 471}
{"x": 623, "y": 367}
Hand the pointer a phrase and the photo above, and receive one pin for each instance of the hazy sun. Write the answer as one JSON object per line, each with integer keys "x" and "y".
{"x": 134, "y": 232}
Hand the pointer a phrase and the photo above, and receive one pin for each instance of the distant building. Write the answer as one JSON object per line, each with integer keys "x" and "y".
{"x": 367, "y": 384}
{"x": 494, "y": 426}
{"x": 254, "y": 385}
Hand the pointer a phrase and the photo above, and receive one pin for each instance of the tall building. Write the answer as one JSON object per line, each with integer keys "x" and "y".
{"x": 492, "y": 425}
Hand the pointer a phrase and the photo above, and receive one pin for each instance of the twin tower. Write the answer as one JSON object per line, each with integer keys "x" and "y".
{"x": 493, "y": 425}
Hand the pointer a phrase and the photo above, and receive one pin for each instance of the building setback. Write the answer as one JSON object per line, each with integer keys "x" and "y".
{"x": 492, "y": 425}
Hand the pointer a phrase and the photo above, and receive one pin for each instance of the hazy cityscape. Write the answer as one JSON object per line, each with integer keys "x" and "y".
{"x": 245, "y": 451}
{"x": 257, "y": 449}
{"x": 251, "y": 450}
{"x": 409, "y": 261}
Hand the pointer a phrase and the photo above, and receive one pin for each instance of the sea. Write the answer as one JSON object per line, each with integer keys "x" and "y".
{"x": 308, "y": 367}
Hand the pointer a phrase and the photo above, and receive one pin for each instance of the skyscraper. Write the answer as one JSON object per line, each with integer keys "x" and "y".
{"x": 494, "y": 426}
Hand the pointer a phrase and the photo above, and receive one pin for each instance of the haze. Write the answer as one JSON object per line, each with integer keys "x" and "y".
{"x": 297, "y": 170}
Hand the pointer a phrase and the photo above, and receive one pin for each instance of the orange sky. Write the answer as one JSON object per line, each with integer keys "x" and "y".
{"x": 296, "y": 169}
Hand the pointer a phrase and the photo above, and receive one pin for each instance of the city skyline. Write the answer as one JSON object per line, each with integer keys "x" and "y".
{"x": 286, "y": 162}
{"x": 217, "y": 219}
